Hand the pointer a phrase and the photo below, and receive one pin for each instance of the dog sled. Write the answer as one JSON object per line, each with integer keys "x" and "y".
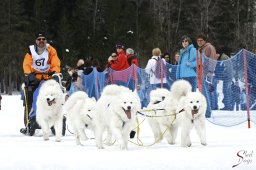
{"x": 30, "y": 110}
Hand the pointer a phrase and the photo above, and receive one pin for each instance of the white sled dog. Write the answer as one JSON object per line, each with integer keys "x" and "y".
{"x": 49, "y": 103}
{"x": 80, "y": 111}
{"x": 191, "y": 113}
{"x": 116, "y": 112}
{"x": 164, "y": 104}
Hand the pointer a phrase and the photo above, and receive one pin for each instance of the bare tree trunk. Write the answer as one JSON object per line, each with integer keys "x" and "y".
{"x": 2, "y": 80}
{"x": 137, "y": 25}
{"x": 168, "y": 20}
{"x": 238, "y": 20}
{"x": 10, "y": 89}
{"x": 154, "y": 20}
{"x": 207, "y": 17}
{"x": 94, "y": 16}
{"x": 6, "y": 81}
{"x": 178, "y": 22}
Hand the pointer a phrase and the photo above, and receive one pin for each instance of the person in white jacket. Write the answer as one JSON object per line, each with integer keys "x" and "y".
{"x": 151, "y": 68}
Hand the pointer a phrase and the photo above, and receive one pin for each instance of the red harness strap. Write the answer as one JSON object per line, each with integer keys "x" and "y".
{"x": 199, "y": 70}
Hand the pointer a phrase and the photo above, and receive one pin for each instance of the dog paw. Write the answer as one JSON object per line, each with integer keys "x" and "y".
{"x": 171, "y": 142}
{"x": 204, "y": 143}
{"x": 100, "y": 147}
{"x": 57, "y": 140}
{"x": 109, "y": 143}
{"x": 78, "y": 143}
{"x": 123, "y": 147}
{"x": 183, "y": 145}
{"x": 46, "y": 137}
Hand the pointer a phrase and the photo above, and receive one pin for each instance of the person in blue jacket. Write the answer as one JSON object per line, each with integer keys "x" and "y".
{"x": 187, "y": 63}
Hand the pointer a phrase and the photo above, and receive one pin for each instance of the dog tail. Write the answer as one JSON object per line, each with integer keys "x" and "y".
{"x": 74, "y": 100}
{"x": 180, "y": 88}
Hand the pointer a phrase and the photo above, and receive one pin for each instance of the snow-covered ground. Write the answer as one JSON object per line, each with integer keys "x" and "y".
{"x": 227, "y": 146}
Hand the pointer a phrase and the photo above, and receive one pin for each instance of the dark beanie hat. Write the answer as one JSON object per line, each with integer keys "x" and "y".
{"x": 119, "y": 45}
{"x": 40, "y": 34}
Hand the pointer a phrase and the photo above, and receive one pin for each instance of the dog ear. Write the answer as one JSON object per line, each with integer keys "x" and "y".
{"x": 135, "y": 90}
{"x": 197, "y": 90}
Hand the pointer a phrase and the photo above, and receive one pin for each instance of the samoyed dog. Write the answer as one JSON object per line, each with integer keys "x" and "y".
{"x": 116, "y": 112}
{"x": 49, "y": 104}
{"x": 163, "y": 105}
{"x": 80, "y": 111}
{"x": 191, "y": 113}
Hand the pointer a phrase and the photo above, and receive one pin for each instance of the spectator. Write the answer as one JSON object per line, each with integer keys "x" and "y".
{"x": 236, "y": 95}
{"x": 75, "y": 77}
{"x": 80, "y": 66}
{"x": 151, "y": 68}
{"x": 88, "y": 67}
{"x": 209, "y": 51}
{"x": 173, "y": 68}
{"x": 91, "y": 63}
{"x": 243, "y": 99}
{"x": 131, "y": 57}
{"x": 187, "y": 62}
{"x": 210, "y": 86}
{"x": 166, "y": 56}
{"x": 96, "y": 64}
{"x": 118, "y": 62}
{"x": 176, "y": 58}
{"x": 224, "y": 72}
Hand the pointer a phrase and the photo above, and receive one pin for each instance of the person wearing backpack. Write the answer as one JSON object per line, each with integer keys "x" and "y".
{"x": 187, "y": 63}
{"x": 156, "y": 68}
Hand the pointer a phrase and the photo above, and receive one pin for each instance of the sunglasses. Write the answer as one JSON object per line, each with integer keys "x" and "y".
{"x": 39, "y": 39}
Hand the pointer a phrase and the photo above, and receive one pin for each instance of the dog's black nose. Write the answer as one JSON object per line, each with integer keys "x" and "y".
{"x": 129, "y": 107}
{"x": 194, "y": 107}
{"x": 48, "y": 99}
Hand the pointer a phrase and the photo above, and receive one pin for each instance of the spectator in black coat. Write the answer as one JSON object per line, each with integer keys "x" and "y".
{"x": 236, "y": 95}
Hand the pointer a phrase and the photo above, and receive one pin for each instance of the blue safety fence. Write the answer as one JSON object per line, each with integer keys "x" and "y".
{"x": 224, "y": 84}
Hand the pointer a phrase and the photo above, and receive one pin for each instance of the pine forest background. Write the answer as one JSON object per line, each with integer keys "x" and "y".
{"x": 93, "y": 27}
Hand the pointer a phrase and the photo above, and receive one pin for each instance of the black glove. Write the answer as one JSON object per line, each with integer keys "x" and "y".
{"x": 31, "y": 80}
{"x": 51, "y": 73}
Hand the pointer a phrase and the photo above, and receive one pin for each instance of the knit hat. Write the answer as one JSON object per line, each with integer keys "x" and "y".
{"x": 40, "y": 34}
{"x": 129, "y": 51}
